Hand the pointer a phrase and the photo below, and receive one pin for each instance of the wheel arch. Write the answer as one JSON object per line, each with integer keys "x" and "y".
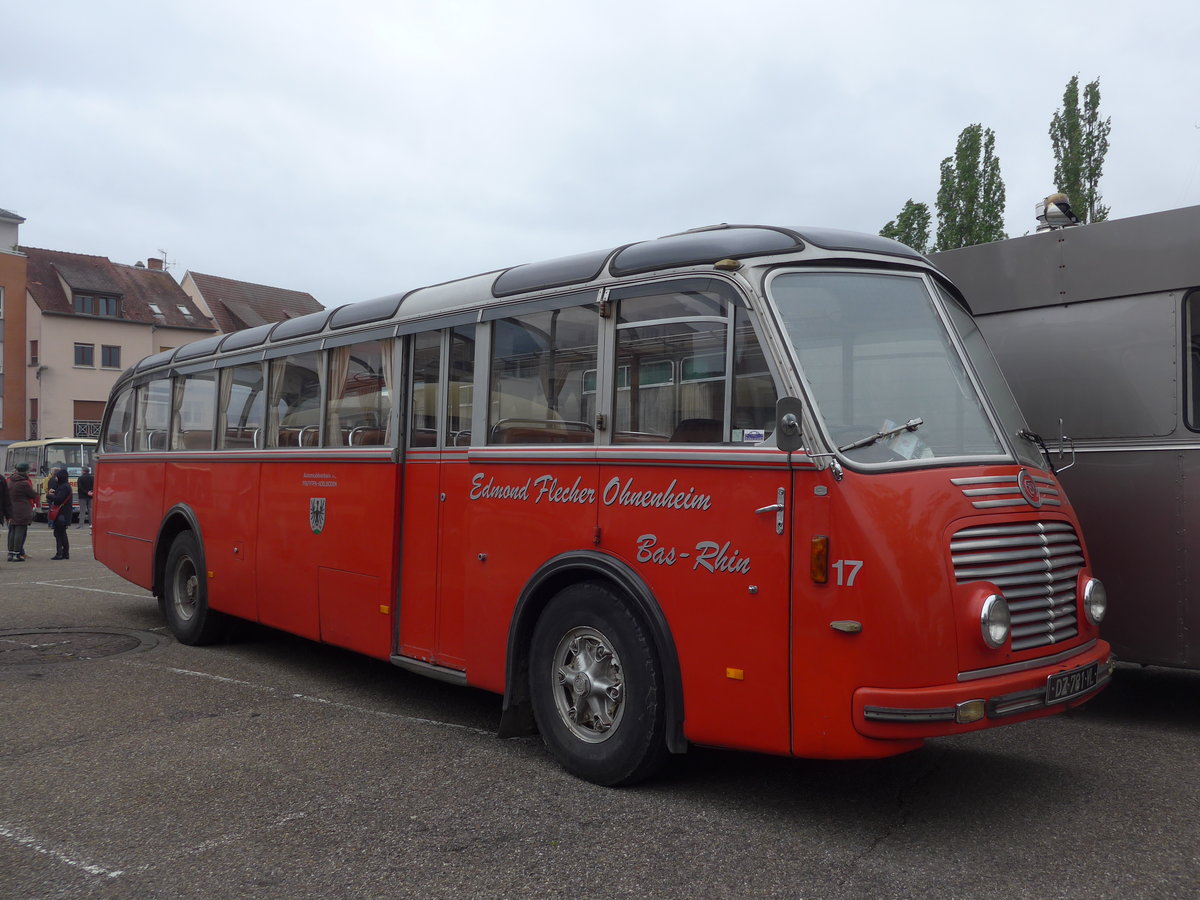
{"x": 179, "y": 518}
{"x": 552, "y": 577}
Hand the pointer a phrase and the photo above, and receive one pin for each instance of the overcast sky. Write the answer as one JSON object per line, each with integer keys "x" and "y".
{"x": 354, "y": 149}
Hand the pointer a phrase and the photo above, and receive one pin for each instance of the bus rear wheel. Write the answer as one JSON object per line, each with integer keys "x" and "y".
{"x": 185, "y": 595}
{"x": 596, "y": 687}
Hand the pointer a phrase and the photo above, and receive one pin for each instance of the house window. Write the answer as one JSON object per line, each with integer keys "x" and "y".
{"x": 1, "y": 302}
{"x": 110, "y": 357}
{"x": 33, "y": 353}
{"x": 85, "y": 355}
{"x": 155, "y": 308}
{"x": 97, "y": 305}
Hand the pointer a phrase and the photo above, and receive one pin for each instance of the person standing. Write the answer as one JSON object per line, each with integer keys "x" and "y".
{"x": 23, "y": 497}
{"x": 60, "y": 495}
{"x": 85, "y": 484}
{"x": 5, "y": 509}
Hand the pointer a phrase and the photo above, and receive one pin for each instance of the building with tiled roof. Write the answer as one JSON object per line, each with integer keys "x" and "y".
{"x": 234, "y": 305}
{"x": 86, "y": 320}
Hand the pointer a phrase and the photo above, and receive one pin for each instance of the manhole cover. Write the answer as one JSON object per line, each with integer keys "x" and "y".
{"x": 22, "y": 648}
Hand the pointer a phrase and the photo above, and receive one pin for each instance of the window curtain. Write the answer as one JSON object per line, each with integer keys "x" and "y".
{"x": 339, "y": 371}
{"x": 225, "y": 391}
{"x": 388, "y": 409}
{"x": 274, "y": 397}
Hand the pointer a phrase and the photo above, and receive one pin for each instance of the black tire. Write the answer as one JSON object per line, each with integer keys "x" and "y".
{"x": 185, "y": 595}
{"x": 606, "y": 722}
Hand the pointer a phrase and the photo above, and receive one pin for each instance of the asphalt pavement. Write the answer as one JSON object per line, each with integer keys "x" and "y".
{"x": 269, "y": 766}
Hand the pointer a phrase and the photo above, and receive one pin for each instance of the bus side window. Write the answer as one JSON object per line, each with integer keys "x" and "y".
{"x": 294, "y": 400}
{"x": 359, "y": 394}
{"x": 460, "y": 389}
{"x": 426, "y": 379}
{"x": 671, "y": 364}
{"x": 154, "y": 414}
{"x": 543, "y": 377}
{"x": 754, "y": 393}
{"x": 118, "y": 429}
{"x": 194, "y": 410}
{"x": 242, "y": 408}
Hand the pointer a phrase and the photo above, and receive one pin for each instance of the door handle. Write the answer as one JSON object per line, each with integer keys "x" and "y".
{"x": 777, "y": 507}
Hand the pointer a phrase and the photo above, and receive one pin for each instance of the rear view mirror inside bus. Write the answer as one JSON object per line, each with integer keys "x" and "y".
{"x": 789, "y": 414}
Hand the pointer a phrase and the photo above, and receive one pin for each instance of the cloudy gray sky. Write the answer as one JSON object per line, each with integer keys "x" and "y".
{"x": 364, "y": 147}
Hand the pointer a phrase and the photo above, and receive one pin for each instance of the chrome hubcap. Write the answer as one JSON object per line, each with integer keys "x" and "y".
{"x": 588, "y": 684}
{"x": 187, "y": 589}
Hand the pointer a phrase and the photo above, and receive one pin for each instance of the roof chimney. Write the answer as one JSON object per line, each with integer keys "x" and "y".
{"x": 154, "y": 264}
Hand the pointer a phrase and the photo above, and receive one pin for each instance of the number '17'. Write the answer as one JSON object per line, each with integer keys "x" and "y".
{"x": 847, "y": 571}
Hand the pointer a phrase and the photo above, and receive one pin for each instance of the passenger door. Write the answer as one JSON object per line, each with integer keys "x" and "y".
{"x": 694, "y": 501}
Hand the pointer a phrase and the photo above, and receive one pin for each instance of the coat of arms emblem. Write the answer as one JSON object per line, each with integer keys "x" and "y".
{"x": 316, "y": 514}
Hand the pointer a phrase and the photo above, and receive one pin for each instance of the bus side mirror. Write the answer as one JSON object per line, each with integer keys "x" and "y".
{"x": 789, "y": 413}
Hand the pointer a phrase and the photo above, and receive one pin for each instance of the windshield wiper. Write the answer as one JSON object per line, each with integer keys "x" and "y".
{"x": 1034, "y": 438}
{"x": 910, "y": 425}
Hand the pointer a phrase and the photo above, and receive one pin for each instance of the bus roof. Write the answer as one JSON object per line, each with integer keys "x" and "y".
{"x": 1118, "y": 258}
{"x": 698, "y": 246}
{"x": 38, "y": 442}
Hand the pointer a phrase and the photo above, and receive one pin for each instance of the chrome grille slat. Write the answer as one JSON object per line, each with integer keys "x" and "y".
{"x": 1035, "y": 564}
{"x": 979, "y": 487}
{"x": 997, "y": 543}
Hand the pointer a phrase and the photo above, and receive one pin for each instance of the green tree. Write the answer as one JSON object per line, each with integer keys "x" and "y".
{"x": 911, "y": 227}
{"x": 970, "y": 200}
{"x": 1080, "y": 142}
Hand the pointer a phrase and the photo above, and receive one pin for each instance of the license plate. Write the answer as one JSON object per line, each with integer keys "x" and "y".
{"x": 1065, "y": 685}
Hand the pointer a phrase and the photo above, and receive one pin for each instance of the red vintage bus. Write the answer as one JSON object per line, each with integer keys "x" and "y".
{"x": 744, "y": 486}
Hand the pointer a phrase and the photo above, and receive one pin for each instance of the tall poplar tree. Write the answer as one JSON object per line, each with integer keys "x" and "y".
{"x": 910, "y": 227}
{"x": 1080, "y": 142}
{"x": 970, "y": 200}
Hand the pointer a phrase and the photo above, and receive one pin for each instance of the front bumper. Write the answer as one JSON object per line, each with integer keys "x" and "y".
{"x": 980, "y": 700}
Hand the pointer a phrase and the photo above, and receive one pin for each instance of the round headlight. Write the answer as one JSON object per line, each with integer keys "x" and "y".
{"x": 995, "y": 622}
{"x": 1095, "y": 601}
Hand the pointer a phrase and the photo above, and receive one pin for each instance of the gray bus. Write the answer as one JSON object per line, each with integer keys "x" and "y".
{"x": 1099, "y": 326}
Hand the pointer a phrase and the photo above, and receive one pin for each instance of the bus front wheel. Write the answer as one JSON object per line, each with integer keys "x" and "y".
{"x": 185, "y": 595}
{"x": 596, "y": 687}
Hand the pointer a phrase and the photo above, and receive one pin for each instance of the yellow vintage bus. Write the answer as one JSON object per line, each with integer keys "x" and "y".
{"x": 47, "y": 454}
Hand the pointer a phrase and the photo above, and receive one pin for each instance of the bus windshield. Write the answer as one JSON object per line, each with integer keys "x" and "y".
{"x": 886, "y": 379}
{"x": 72, "y": 456}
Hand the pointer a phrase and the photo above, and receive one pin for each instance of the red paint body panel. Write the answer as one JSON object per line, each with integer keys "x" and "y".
{"x": 510, "y": 519}
{"x": 127, "y": 511}
{"x": 228, "y": 518}
{"x": 720, "y": 573}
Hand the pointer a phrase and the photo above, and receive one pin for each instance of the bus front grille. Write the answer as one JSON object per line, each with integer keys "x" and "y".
{"x": 1035, "y": 565}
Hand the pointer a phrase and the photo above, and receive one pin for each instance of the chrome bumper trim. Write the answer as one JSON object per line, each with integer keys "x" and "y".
{"x": 1057, "y": 658}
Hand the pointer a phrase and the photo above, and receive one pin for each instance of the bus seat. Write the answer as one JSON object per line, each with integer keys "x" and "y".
{"x": 639, "y": 437}
{"x": 364, "y": 436}
{"x": 197, "y": 439}
{"x": 238, "y": 438}
{"x": 423, "y": 437}
{"x": 541, "y": 431}
{"x": 698, "y": 431}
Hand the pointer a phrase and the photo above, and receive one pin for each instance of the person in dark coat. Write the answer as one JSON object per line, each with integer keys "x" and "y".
{"x": 60, "y": 495}
{"x": 85, "y": 484}
{"x": 23, "y": 497}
